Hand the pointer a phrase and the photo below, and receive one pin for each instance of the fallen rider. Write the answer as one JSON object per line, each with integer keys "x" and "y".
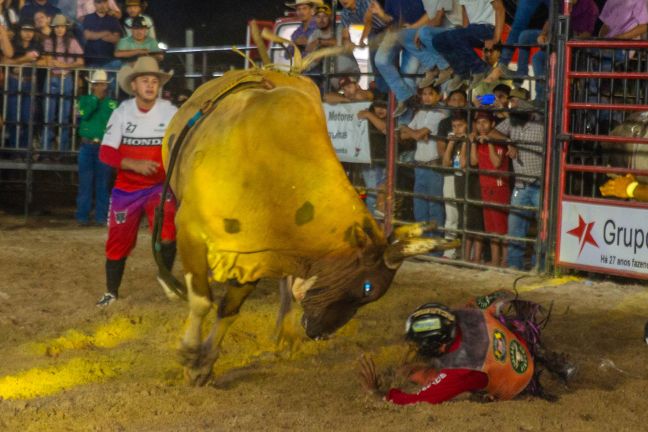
{"x": 492, "y": 345}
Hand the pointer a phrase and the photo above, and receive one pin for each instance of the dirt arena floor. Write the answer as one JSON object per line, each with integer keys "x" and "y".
{"x": 68, "y": 366}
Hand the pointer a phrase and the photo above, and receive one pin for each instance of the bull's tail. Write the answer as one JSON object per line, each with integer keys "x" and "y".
{"x": 175, "y": 146}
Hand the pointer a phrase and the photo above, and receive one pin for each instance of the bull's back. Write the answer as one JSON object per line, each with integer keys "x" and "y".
{"x": 259, "y": 180}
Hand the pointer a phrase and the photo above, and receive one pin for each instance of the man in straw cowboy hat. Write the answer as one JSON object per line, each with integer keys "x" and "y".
{"x": 94, "y": 110}
{"x": 132, "y": 144}
{"x": 305, "y": 10}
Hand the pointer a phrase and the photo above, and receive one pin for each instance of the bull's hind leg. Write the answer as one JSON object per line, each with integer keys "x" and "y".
{"x": 228, "y": 310}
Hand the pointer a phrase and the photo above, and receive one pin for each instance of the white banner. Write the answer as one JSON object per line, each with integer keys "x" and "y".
{"x": 605, "y": 237}
{"x": 350, "y": 136}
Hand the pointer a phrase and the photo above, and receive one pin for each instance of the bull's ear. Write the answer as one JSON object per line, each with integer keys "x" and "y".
{"x": 356, "y": 236}
{"x": 300, "y": 286}
{"x": 396, "y": 252}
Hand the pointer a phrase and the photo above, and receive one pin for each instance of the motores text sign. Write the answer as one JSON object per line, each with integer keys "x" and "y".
{"x": 349, "y": 135}
{"x": 610, "y": 239}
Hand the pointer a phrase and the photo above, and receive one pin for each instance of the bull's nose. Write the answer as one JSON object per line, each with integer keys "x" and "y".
{"x": 313, "y": 331}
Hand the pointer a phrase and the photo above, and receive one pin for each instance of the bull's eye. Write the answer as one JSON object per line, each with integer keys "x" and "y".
{"x": 367, "y": 288}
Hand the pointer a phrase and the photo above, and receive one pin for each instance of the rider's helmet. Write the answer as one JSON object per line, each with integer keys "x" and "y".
{"x": 430, "y": 327}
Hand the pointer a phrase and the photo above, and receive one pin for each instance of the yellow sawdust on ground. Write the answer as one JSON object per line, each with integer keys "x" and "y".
{"x": 117, "y": 331}
{"x": 52, "y": 379}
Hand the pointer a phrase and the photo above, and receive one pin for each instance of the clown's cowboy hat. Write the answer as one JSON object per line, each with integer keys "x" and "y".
{"x": 143, "y": 66}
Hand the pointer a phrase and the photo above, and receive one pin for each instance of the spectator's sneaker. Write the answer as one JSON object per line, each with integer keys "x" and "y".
{"x": 106, "y": 300}
{"x": 429, "y": 78}
{"x": 455, "y": 83}
{"x": 401, "y": 109}
{"x": 171, "y": 295}
{"x": 476, "y": 79}
{"x": 444, "y": 76}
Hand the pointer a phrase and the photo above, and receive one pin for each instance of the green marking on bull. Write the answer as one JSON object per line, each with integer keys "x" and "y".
{"x": 232, "y": 226}
{"x": 305, "y": 213}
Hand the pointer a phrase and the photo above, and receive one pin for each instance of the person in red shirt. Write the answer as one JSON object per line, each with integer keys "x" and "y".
{"x": 494, "y": 188}
{"x": 470, "y": 349}
{"x": 132, "y": 144}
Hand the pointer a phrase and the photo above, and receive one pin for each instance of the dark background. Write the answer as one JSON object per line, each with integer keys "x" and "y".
{"x": 215, "y": 22}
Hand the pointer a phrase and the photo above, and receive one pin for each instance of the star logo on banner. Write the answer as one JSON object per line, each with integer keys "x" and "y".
{"x": 584, "y": 233}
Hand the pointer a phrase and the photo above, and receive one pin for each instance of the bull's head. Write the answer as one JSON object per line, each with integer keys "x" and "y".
{"x": 340, "y": 285}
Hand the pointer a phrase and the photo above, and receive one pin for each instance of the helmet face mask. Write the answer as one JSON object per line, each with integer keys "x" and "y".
{"x": 431, "y": 327}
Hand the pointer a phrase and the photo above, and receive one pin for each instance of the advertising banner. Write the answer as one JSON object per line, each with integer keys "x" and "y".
{"x": 611, "y": 239}
{"x": 350, "y": 136}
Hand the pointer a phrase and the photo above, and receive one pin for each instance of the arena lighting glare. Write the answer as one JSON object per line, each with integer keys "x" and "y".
{"x": 162, "y": 46}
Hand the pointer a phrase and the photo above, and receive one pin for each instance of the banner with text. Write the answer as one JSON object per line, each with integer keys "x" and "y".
{"x": 350, "y": 136}
{"x": 606, "y": 237}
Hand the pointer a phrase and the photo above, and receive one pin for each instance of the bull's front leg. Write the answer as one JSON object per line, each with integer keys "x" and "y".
{"x": 228, "y": 310}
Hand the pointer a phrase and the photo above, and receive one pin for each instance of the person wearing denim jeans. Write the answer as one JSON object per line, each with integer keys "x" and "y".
{"x": 528, "y": 195}
{"x": 19, "y": 91}
{"x": 60, "y": 90}
{"x": 524, "y": 11}
{"x": 400, "y": 14}
{"x": 94, "y": 111}
{"x": 485, "y": 21}
{"x": 63, "y": 53}
{"x": 526, "y": 152}
{"x": 26, "y": 53}
{"x": 424, "y": 128}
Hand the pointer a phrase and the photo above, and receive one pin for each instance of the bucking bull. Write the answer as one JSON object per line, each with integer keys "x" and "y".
{"x": 262, "y": 195}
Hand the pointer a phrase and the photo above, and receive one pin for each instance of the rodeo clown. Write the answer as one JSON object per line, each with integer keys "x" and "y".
{"x": 480, "y": 348}
{"x": 132, "y": 144}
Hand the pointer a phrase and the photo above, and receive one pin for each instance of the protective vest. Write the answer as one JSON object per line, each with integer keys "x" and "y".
{"x": 488, "y": 346}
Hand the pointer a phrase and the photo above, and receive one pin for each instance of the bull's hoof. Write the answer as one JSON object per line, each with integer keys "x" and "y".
{"x": 189, "y": 357}
{"x": 198, "y": 377}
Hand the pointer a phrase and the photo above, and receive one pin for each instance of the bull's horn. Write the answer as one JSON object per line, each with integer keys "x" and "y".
{"x": 297, "y": 58}
{"x": 258, "y": 41}
{"x": 300, "y": 286}
{"x": 398, "y": 251}
{"x": 324, "y": 52}
{"x": 413, "y": 230}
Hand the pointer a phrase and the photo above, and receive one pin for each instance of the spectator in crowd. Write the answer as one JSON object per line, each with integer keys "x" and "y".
{"x": 374, "y": 174}
{"x": 29, "y": 10}
{"x": 400, "y": 15}
{"x": 424, "y": 129}
{"x": 494, "y": 188}
{"x": 358, "y": 12}
{"x": 305, "y": 10}
{"x": 87, "y": 7}
{"x": 443, "y": 15}
{"x": 483, "y": 24}
{"x": 94, "y": 110}
{"x": 62, "y": 53}
{"x": 135, "y": 8}
{"x": 323, "y": 37}
{"x": 6, "y": 49}
{"x": 524, "y": 11}
{"x": 138, "y": 44}
{"x": 101, "y": 31}
{"x": 525, "y": 150}
{"x": 501, "y": 92}
{"x": 8, "y": 15}
{"x": 582, "y": 21}
{"x": 624, "y": 19}
{"x": 26, "y": 52}
{"x": 451, "y": 159}
{"x": 140, "y": 174}
{"x": 350, "y": 91}
{"x": 43, "y": 24}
